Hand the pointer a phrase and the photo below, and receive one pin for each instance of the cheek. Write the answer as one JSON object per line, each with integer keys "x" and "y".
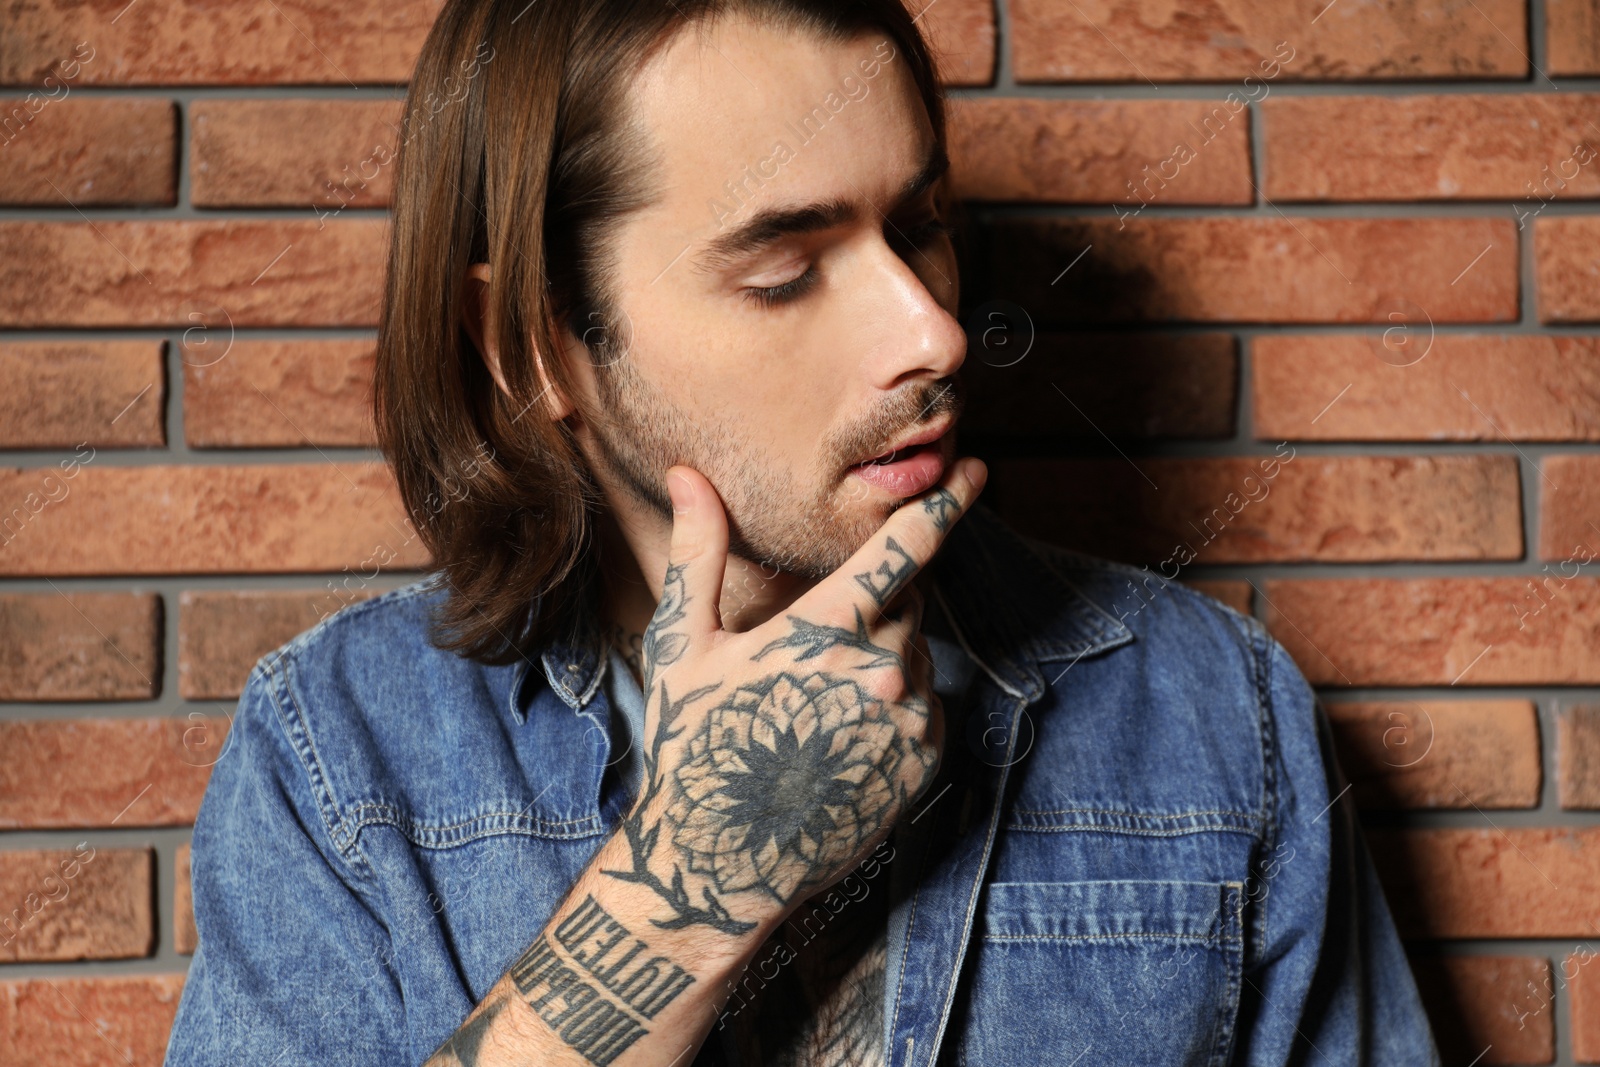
{"x": 777, "y": 384}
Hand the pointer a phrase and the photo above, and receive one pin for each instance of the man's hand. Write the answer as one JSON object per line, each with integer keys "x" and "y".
{"x": 779, "y": 757}
{"x": 776, "y": 760}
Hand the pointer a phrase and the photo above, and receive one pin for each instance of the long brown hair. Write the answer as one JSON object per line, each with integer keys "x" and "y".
{"x": 517, "y": 150}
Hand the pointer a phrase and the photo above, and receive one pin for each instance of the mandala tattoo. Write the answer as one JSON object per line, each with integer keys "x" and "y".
{"x": 785, "y": 783}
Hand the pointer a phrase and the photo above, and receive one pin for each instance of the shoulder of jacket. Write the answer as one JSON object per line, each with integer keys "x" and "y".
{"x": 393, "y": 625}
{"x": 1139, "y": 596}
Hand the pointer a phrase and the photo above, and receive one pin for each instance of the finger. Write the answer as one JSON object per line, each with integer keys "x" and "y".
{"x": 899, "y": 629}
{"x": 696, "y": 558}
{"x": 871, "y": 579}
{"x": 904, "y": 613}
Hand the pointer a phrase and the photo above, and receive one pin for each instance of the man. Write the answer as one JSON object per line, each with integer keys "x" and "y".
{"x": 731, "y": 729}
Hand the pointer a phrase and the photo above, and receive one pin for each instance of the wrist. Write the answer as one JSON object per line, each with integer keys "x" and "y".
{"x": 670, "y": 908}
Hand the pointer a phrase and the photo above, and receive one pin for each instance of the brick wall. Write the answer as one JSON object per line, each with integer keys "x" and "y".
{"x": 1293, "y": 299}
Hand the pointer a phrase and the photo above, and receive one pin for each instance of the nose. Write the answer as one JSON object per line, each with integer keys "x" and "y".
{"x": 908, "y": 302}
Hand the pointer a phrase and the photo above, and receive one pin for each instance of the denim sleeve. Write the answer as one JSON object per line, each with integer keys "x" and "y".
{"x": 1327, "y": 980}
{"x": 292, "y": 968}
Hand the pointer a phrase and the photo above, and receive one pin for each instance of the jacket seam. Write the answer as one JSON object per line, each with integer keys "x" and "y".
{"x": 1228, "y": 1010}
{"x": 416, "y": 833}
{"x": 311, "y": 763}
{"x": 315, "y": 781}
{"x": 1204, "y": 939}
{"x": 1160, "y": 816}
{"x": 395, "y": 811}
{"x": 905, "y": 947}
{"x": 1272, "y": 832}
{"x": 1093, "y": 828}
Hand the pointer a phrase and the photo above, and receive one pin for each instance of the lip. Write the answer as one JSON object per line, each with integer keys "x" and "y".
{"x": 932, "y": 433}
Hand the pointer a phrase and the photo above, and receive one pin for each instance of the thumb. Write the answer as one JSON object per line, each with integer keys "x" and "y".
{"x": 698, "y": 556}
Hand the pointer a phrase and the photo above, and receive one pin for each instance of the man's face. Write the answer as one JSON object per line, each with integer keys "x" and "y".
{"x": 776, "y": 397}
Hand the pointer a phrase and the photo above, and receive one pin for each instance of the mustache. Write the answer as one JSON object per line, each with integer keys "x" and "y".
{"x": 927, "y": 402}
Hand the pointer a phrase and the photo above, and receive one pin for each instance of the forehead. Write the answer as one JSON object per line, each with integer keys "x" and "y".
{"x": 743, "y": 116}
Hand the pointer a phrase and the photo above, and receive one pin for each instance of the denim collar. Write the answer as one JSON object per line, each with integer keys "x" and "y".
{"x": 1011, "y": 611}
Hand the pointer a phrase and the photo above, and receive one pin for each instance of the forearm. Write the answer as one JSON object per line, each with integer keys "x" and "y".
{"x": 601, "y": 984}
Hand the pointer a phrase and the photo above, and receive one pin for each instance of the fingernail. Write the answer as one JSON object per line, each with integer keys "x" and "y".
{"x": 678, "y": 489}
{"x": 978, "y": 474}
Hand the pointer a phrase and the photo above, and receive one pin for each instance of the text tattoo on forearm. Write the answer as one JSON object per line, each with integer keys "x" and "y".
{"x": 599, "y": 1006}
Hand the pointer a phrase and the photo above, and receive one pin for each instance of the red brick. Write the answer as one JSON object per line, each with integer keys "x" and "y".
{"x": 1527, "y": 148}
{"x": 1439, "y": 754}
{"x": 1436, "y": 631}
{"x": 80, "y": 646}
{"x": 191, "y": 42}
{"x": 88, "y": 1022}
{"x": 1572, "y": 38}
{"x": 1098, "y": 151}
{"x": 76, "y": 151}
{"x": 1489, "y": 1009}
{"x": 1582, "y": 976}
{"x": 196, "y": 275}
{"x": 221, "y": 635}
{"x": 1242, "y": 509}
{"x": 147, "y": 771}
{"x": 58, "y": 394}
{"x": 1236, "y": 594}
{"x": 185, "y": 937}
{"x": 1522, "y": 882}
{"x": 1333, "y": 387}
{"x": 1567, "y": 263}
{"x": 268, "y": 518}
{"x": 1257, "y": 269}
{"x": 294, "y": 153}
{"x": 1578, "y": 741}
{"x": 83, "y": 903}
{"x": 1151, "y": 40}
{"x": 961, "y": 36}
{"x": 280, "y": 393}
{"x": 1569, "y": 507}
{"x": 1055, "y": 386}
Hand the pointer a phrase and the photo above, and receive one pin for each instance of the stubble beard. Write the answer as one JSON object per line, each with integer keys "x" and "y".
{"x": 810, "y": 531}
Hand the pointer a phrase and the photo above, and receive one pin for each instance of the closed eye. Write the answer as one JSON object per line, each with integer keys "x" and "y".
{"x": 772, "y": 295}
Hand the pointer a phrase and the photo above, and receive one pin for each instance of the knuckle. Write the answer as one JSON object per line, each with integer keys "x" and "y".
{"x": 885, "y": 686}
{"x": 686, "y": 549}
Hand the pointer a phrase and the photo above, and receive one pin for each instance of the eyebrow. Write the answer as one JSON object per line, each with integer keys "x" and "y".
{"x": 771, "y": 225}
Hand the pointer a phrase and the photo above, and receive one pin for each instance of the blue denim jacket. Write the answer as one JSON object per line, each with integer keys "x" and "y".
{"x": 1144, "y": 856}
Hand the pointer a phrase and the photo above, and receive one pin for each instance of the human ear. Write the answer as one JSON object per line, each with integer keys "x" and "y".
{"x": 478, "y": 320}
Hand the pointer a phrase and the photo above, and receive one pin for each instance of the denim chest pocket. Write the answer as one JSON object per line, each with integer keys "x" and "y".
{"x": 1106, "y": 972}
